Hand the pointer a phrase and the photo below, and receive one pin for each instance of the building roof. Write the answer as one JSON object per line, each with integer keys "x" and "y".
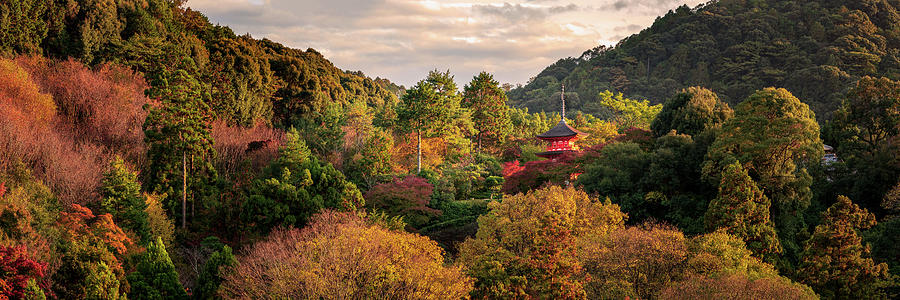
{"x": 561, "y": 130}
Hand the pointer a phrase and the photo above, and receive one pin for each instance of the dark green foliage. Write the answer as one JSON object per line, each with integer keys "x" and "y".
{"x": 743, "y": 211}
{"x": 242, "y": 81}
{"x": 294, "y": 187}
{"x": 691, "y": 112}
{"x": 659, "y": 183}
{"x": 835, "y": 262}
{"x": 815, "y": 49}
{"x": 212, "y": 275}
{"x": 775, "y": 137}
{"x": 885, "y": 241}
{"x": 155, "y": 276}
{"x": 177, "y": 133}
{"x": 866, "y": 135}
{"x": 618, "y": 174}
{"x": 674, "y": 177}
{"x": 121, "y": 197}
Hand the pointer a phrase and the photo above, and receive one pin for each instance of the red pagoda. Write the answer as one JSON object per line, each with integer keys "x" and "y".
{"x": 562, "y": 137}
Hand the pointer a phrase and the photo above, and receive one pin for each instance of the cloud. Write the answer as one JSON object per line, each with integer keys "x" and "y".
{"x": 403, "y": 39}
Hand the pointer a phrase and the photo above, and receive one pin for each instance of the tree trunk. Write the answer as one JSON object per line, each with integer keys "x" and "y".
{"x": 419, "y": 150}
{"x": 479, "y": 143}
{"x": 184, "y": 190}
{"x": 193, "y": 199}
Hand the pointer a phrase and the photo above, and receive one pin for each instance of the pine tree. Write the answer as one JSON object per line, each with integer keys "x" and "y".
{"x": 487, "y": 101}
{"x": 212, "y": 275}
{"x": 177, "y": 133}
{"x": 835, "y": 262}
{"x": 121, "y": 197}
{"x": 742, "y": 210}
{"x": 428, "y": 108}
{"x": 155, "y": 277}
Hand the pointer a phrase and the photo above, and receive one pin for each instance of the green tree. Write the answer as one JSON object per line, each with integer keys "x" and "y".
{"x": 213, "y": 272}
{"x": 835, "y": 262}
{"x": 690, "y": 112}
{"x": 743, "y": 210}
{"x": 121, "y": 197}
{"x": 428, "y": 108}
{"x": 295, "y": 186}
{"x": 629, "y": 113}
{"x": 177, "y": 135}
{"x": 155, "y": 276}
{"x": 775, "y": 137}
{"x": 487, "y": 102}
{"x": 23, "y": 26}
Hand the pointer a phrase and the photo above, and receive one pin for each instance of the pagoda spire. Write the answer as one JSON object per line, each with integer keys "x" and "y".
{"x": 562, "y": 97}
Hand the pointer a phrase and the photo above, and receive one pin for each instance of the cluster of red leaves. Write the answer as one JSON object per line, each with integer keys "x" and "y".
{"x": 16, "y": 269}
{"x": 535, "y": 174}
{"x": 65, "y": 121}
{"x": 2, "y": 189}
{"x": 512, "y": 167}
{"x": 243, "y": 152}
{"x": 401, "y": 196}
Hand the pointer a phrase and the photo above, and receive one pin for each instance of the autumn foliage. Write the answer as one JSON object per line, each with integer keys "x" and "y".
{"x": 243, "y": 152}
{"x": 407, "y": 197}
{"x": 340, "y": 256}
{"x": 16, "y": 269}
{"x": 526, "y": 245}
{"x": 64, "y": 131}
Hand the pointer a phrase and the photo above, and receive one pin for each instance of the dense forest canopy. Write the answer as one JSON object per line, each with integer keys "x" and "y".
{"x": 814, "y": 49}
{"x": 146, "y": 153}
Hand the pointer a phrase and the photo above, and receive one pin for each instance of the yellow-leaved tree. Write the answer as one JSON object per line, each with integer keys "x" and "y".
{"x": 343, "y": 256}
{"x": 526, "y": 246}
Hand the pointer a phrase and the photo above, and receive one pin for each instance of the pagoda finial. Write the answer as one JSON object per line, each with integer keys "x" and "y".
{"x": 562, "y": 97}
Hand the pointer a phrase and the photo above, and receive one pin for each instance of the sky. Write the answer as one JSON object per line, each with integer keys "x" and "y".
{"x": 404, "y": 39}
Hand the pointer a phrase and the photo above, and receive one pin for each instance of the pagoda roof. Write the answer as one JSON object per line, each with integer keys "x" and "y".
{"x": 561, "y": 130}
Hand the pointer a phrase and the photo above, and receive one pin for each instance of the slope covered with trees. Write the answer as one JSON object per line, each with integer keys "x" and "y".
{"x": 815, "y": 49}
{"x": 145, "y": 153}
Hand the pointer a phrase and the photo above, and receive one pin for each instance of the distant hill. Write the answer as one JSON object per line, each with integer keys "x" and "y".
{"x": 250, "y": 80}
{"x": 815, "y": 49}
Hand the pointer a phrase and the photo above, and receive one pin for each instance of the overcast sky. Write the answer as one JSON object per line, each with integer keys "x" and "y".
{"x": 402, "y": 39}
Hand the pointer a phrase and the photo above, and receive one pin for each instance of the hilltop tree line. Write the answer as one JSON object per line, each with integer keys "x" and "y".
{"x": 145, "y": 153}
{"x": 815, "y": 49}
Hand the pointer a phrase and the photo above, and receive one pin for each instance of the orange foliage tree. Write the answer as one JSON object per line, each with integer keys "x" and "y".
{"x": 526, "y": 246}
{"x": 91, "y": 255}
{"x": 341, "y": 256}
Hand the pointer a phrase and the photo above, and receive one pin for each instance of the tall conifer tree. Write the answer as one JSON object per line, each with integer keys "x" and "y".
{"x": 835, "y": 262}
{"x": 155, "y": 277}
{"x": 743, "y": 210}
{"x": 177, "y": 133}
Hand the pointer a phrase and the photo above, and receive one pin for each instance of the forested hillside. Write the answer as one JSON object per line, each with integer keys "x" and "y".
{"x": 148, "y": 154}
{"x": 249, "y": 80}
{"x": 815, "y": 49}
